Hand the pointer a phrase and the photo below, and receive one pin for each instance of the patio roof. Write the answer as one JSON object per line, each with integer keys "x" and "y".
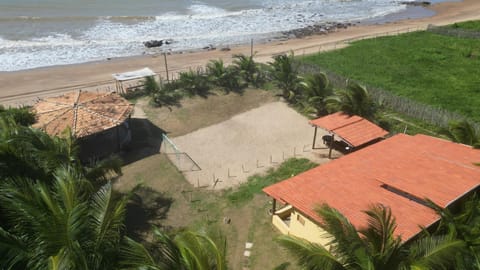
{"x": 398, "y": 172}
{"x": 354, "y": 129}
{"x": 84, "y": 112}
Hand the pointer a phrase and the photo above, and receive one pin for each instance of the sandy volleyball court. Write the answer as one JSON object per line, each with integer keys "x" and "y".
{"x": 248, "y": 143}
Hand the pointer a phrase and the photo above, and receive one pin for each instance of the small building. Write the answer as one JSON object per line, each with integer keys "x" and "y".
{"x": 347, "y": 132}
{"x": 399, "y": 172}
{"x": 99, "y": 121}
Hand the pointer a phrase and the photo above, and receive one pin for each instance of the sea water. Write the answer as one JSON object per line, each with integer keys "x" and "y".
{"x": 36, "y": 33}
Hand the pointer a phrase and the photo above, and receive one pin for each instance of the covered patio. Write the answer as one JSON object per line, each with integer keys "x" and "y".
{"x": 346, "y": 132}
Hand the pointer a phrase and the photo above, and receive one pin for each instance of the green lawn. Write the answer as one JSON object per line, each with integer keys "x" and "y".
{"x": 433, "y": 69}
{"x": 469, "y": 25}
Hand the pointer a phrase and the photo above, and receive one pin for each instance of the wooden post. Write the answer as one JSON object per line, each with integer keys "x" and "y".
{"x": 274, "y": 206}
{"x": 166, "y": 66}
{"x": 251, "y": 47}
{"x": 314, "y": 137}
{"x": 331, "y": 146}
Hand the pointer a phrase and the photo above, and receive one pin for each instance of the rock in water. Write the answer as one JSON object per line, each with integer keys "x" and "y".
{"x": 153, "y": 43}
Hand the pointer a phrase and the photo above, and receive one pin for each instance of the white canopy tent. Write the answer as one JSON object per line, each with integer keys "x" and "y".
{"x": 135, "y": 75}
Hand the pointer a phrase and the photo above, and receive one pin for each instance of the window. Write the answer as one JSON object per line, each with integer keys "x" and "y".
{"x": 300, "y": 219}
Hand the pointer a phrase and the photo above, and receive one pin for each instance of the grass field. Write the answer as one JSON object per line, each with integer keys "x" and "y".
{"x": 469, "y": 25}
{"x": 433, "y": 69}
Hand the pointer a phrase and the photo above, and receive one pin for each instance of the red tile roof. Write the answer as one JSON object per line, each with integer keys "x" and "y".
{"x": 423, "y": 166}
{"x": 355, "y": 130}
{"x": 84, "y": 112}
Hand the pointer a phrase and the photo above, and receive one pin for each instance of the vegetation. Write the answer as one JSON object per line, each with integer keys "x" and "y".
{"x": 373, "y": 247}
{"x": 355, "y": 100}
{"x": 57, "y": 214}
{"x": 256, "y": 183}
{"x": 462, "y": 132}
{"x": 284, "y": 71}
{"x": 249, "y": 70}
{"x": 430, "y": 68}
{"x": 23, "y": 116}
{"x": 468, "y": 25}
{"x": 315, "y": 89}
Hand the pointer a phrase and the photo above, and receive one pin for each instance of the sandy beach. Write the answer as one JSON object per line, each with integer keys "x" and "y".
{"x": 22, "y": 87}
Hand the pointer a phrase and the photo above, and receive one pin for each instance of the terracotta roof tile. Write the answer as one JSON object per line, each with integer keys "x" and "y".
{"x": 84, "y": 112}
{"x": 422, "y": 166}
{"x": 354, "y": 129}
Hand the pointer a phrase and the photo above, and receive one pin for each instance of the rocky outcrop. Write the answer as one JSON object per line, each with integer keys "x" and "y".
{"x": 316, "y": 29}
{"x": 157, "y": 43}
{"x": 416, "y": 3}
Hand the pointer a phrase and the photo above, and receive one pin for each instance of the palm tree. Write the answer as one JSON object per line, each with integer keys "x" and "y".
{"x": 67, "y": 225}
{"x": 462, "y": 132}
{"x": 23, "y": 115}
{"x": 31, "y": 153}
{"x": 374, "y": 247}
{"x": 194, "y": 83}
{"x": 284, "y": 71}
{"x": 226, "y": 77}
{"x": 186, "y": 251}
{"x": 248, "y": 69}
{"x": 355, "y": 100}
{"x": 464, "y": 225}
{"x": 315, "y": 89}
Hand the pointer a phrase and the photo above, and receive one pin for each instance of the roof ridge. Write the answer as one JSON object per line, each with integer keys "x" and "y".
{"x": 75, "y": 112}
{"x": 349, "y": 123}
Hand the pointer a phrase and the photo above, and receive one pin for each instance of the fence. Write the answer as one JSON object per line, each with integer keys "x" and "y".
{"x": 181, "y": 160}
{"x": 406, "y": 106}
{"x": 453, "y": 32}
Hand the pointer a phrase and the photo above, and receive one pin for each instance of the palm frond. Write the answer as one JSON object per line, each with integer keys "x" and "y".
{"x": 309, "y": 255}
{"x": 435, "y": 252}
{"x": 135, "y": 256}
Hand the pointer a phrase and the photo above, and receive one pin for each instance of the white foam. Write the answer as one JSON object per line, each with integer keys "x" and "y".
{"x": 200, "y": 26}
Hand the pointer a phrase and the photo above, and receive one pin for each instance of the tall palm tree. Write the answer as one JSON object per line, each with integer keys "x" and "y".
{"x": 374, "y": 247}
{"x": 284, "y": 71}
{"x": 186, "y": 251}
{"x": 67, "y": 225}
{"x": 315, "y": 89}
{"x": 354, "y": 100}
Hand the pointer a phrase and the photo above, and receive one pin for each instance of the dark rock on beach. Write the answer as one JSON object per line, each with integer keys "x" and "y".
{"x": 316, "y": 29}
{"x": 416, "y": 3}
{"x": 157, "y": 43}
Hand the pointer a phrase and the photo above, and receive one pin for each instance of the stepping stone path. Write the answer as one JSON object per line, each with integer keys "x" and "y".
{"x": 247, "y": 253}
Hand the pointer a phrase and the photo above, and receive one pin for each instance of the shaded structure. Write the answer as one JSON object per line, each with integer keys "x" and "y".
{"x": 352, "y": 131}
{"x": 400, "y": 172}
{"x": 98, "y": 120}
{"x": 134, "y": 78}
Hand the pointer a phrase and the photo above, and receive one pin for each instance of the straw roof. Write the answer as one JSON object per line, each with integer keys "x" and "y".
{"x": 86, "y": 113}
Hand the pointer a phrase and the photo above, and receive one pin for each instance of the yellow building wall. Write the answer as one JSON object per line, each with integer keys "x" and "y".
{"x": 303, "y": 227}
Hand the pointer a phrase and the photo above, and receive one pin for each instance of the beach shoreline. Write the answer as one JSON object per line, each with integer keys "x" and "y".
{"x": 24, "y": 86}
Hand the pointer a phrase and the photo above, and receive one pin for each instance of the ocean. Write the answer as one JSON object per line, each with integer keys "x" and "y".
{"x": 37, "y": 33}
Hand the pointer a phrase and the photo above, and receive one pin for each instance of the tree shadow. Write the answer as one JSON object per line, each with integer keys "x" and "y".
{"x": 146, "y": 208}
{"x": 146, "y": 140}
